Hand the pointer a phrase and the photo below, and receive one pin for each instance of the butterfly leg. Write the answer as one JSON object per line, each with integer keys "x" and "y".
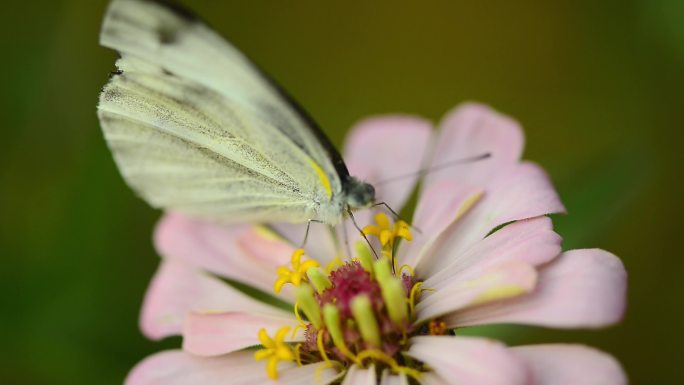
{"x": 362, "y": 234}
{"x": 346, "y": 240}
{"x": 396, "y": 215}
{"x": 306, "y": 234}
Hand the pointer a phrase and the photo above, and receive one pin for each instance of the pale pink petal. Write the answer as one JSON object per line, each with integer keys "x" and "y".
{"x": 511, "y": 190}
{"x": 393, "y": 379}
{"x": 440, "y": 205}
{"x": 523, "y": 191}
{"x": 505, "y": 280}
{"x": 581, "y": 288}
{"x": 179, "y": 368}
{"x": 469, "y": 361}
{"x": 561, "y": 364}
{"x": 320, "y": 244}
{"x": 378, "y": 149}
{"x": 220, "y": 333}
{"x": 431, "y": 378}
{"x": 358, "y": 376}
{"x": 532, "y": 241}
{"x": 349, "y": 235}
{"x": 384, "y": 147}
{"x": 245, "y": 253}
{"x": 474, "y": 129}
{"x": 178, "y": 288}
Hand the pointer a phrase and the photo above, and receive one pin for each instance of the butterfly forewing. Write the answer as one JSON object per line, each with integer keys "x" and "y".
{"x": 195, "y": 127}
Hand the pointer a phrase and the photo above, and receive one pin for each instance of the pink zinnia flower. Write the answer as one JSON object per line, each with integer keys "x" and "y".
{"x": 486, "y": 253}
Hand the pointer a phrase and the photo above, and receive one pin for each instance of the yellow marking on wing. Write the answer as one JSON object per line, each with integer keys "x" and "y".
{"x": 324, "y": 178}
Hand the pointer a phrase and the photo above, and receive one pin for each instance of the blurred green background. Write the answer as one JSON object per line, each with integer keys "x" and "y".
{"x": 597, "y": 86}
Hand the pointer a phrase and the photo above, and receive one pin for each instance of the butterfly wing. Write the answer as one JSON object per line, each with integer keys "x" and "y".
{"x": 195, "y": 127}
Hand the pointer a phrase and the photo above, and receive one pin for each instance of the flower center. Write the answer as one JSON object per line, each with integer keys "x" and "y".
{"x": 358, "y": 313}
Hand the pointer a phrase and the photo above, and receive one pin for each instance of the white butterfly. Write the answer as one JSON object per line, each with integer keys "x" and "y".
{"x": 195, "y": 127}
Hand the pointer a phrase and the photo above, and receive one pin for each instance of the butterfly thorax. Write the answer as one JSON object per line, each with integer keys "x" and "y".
{"x": 354, "y": 195}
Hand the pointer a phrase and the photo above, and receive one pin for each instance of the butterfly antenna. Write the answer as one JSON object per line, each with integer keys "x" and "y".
{"x": 436, "y": 168}
{"x": 362, "y": 234}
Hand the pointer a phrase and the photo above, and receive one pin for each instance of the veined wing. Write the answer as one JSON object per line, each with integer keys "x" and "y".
{"x": 202, "y": 169}
{"x": 185, "y": 97}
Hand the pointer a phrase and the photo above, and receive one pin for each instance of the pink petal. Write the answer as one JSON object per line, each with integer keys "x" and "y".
{"x": 474, "y": 129}
{"x": 388, "y": 146}
{"x": 561, "y": 364}
{"x": 508, "y": 279}
{"x": 393, "y": 379}
{"x": 179, "y": 368}
{"x": 358, "y": 376}
{"x": 440, "y": 205}
{"x": 520, "y": 192}
{"x": 432, "y": 378}
{"x": 241, "y": 252}
{"x": 178, "y": 288}
{"x": 469, "y": 361}
{"x": 320, "y": 244}
{"x": 532, "y": 241}
{"x": 220, "y": 333}
{"x": 378, "y": 149}
{"x": 349, "y": 235}
{"x": 581, "y": 288}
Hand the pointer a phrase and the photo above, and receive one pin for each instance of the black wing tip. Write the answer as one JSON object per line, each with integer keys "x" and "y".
{"x": 177, "y": 9}
{"x": 338, "y": 162}
{"x": 185, "y": 14}
{"x": 167, "y": 34}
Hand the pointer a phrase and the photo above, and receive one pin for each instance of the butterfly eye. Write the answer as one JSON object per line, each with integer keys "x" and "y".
{"x": 359, "y": 194}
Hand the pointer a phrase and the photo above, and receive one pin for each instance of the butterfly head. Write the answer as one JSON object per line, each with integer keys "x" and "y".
{"x": 359, "y": 194}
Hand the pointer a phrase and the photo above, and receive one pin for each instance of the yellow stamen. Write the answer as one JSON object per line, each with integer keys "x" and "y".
{"x": 321, "y": 348}
{"x": 412, "y": 272}
{"x": 275, "y": 350}
{"x": 391, "y": 362}
{"x": 297, "y": 354}
{"x": 393, "y": 292}
{"x": 319, "y": 281}
{"x": 437, "y": 328}
{"x": 415, "y": 291}
{"x": 309, "y": 305}
{"x": 296, "y": 329}
{"x": 364, "y": 256}
{"x": 387, "y": 232}
{"x": 365, "y": 320}
{"x": 322, "y": 317}
{"x": 297, "y": 274}
{"x": 331, "y": 315}
{"x": 298, "y": 316}
{"x": 382, "y": 220}
{"x": 332, "y": 265}
{"x": 403, "y": 230}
